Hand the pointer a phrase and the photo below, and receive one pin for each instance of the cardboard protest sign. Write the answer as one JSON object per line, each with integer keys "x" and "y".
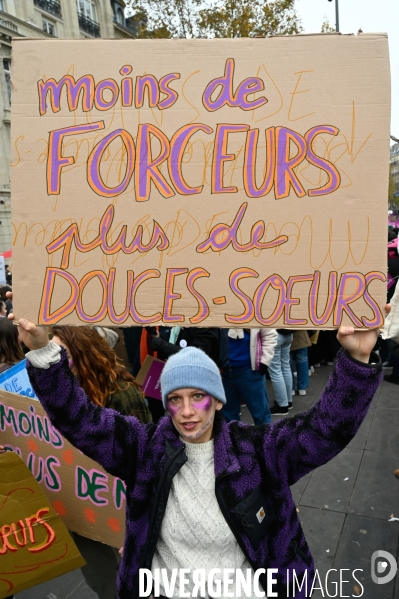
{"x": 90, "y": 501}
{"x": 35, "y": 545}
{"x": 16, "y": 380}
{"x": 223, "y": 182}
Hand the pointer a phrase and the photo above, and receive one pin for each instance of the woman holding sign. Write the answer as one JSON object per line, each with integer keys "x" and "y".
{"x": 203, "y": 494}
{"x": 107, "y": 384}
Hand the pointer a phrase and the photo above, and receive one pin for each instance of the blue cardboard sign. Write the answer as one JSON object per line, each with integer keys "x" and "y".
{"x": 16, "y": 380}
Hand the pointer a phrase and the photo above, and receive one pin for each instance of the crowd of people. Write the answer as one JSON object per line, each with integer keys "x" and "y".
{"x": 213, "y": 465}
{"x": 389, "y": 350}
{"x": 245, "y": 358}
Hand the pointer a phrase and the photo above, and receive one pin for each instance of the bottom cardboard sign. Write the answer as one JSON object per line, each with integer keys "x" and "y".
{"x": 90, "y": 501}
{"x": 35, "y": 545}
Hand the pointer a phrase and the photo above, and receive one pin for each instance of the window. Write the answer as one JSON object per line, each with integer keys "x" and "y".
{"x": 1, "y": 5}
{"x": 48, "y": 27}
{"x": 7, "y": 74}
{"x": 119, "y": 16}
{"x": 87, "y": 8}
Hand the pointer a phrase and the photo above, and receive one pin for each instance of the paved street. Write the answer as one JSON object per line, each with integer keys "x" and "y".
{"x": 344, "y": 506}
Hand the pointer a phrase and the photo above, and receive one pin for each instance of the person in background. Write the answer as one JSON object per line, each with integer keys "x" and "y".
{"x": 4, "y": 290}
{"x": 109, "y": 335}
{"x": 3, "y": 309}
{"x": 314, "y": 350}
{"x": 96, "y": 365}
{"x": 389, "y": 350}
{"x": 168, "y": 341}
{"x": 281, "y": 375}
{"x": 109, "y": 385}
{"x": 8, "y": 274}
{"x": 10, "y": 348}
{"x": 250, "y": 353}
{"x": 394, "y": 357}
{"x": 132, "y": 338}
{"x": 299, "y": 355}
{"x": 328, "y": 346}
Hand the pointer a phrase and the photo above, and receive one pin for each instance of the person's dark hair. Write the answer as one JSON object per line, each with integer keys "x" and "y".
{"x": 3, "y": 291}
{"x": 10, "y": 348}
{"x": 99, "y": 371}
{"x": 391, "y": 235}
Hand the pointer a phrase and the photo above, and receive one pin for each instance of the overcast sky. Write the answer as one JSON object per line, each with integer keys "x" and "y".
{"x": 368, "y": 15}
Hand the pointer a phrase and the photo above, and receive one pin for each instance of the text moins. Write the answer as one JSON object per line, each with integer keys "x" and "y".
{"x": 342, "y": 292}
{"x": 104, "y": 94}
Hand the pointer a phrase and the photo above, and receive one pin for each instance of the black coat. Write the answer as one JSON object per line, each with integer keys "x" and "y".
{"x": 207, "y": 339}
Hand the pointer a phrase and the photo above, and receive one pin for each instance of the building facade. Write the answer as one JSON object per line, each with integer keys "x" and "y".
{"x": 394, "y": 165}
{"x": 45, "y": 19}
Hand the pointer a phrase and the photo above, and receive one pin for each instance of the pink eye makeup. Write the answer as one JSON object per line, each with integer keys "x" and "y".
{"x": 173, "y": 407}
{"x": 199, "y": 401}
{"x": 204, "y": 403}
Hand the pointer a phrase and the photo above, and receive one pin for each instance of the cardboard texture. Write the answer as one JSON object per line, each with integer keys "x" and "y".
{"x": 35, "y": 545}
{"x": 219, "y": 182}
{"x": 90, "y": 501}
{"x": 149, "y": 377}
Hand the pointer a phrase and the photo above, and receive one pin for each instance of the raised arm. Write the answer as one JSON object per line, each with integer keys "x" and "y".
{"x": 300, "y": 444}
{"x": 102, "y": 434}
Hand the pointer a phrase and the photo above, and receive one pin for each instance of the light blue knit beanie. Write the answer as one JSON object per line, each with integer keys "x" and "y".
{"x": 191, "y": 368}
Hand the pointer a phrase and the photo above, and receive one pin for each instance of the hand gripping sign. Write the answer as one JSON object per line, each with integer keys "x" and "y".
{"x": 201, "y": 182}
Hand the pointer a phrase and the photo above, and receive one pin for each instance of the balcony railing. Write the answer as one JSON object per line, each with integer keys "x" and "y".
{"x": 88, "y": 25}
{"x": 8, "y": 25}
{"x": 51, "y": 6}
{"x": 130, "y": 30}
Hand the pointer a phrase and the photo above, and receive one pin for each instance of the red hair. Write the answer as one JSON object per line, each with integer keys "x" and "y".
{"x": 99, "y": 371}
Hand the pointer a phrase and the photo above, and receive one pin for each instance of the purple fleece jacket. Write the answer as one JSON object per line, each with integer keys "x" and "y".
{"x": 269, "y": 458}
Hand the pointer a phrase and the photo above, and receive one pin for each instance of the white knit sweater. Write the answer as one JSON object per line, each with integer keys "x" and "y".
{"x": 194, "y": 533}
